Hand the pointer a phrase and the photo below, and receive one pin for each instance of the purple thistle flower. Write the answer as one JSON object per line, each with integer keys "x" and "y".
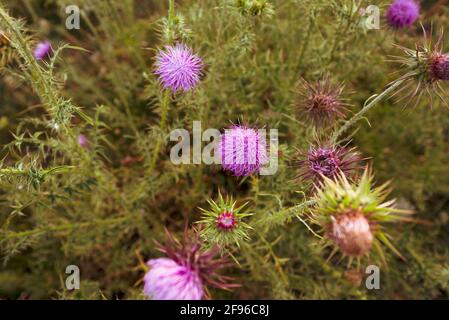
{"x": 168, "y": 280}
{"x": 439, "y": 66}
{"x": 83, "y": 141}
{"x": 242, "y": 150}
{"x": 185, "y": 271}
{"x": 178, "y": 68}
{"x": 403, "y": 13}
{"x": 42, "y": 50}
{"x": 329, "y": 162}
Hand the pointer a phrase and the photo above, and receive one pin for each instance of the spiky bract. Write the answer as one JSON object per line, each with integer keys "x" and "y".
{"x": 223, "y": 223}
{"x": 352, "y": 216}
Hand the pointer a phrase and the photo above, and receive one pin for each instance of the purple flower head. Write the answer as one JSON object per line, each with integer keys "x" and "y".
{"x": 329, "y": 162}
{"x": 168, "y": 280}
{"x": 242, "y": 150}
{"x": 403, "y": 13}
{"x": 439, "y": 66}
{"x": 83, "y": 141}
{"x": 185, "y": 271}
{"x": 178, "y": 68}
{"x": 42, "y": 50}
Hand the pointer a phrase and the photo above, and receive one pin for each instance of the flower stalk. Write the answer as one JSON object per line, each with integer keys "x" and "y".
{"x": 359, "y": 115}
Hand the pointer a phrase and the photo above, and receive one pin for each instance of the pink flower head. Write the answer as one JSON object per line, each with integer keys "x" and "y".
{"x": 42, "y": 50}
{"x": 226, "y": 221}
{"x": 403, "y": 13}
{"x": 178, "y": 68}
{"x": 83, "y": 141}
{"x": 242, "y": 150}
{"x": 439, "y": 66}
{"x": 168, "y": 280}
{"x": 185, "y": 271}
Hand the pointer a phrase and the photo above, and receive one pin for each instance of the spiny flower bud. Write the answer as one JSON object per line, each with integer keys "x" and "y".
{"x": 403, "y": 13}
{"x": 242, "y": 150}
{"x": 426, "y": 70}
{"x": 178, "y": 68}
{"x": 351, "y": 215}
{"x": 328, "y": 161}
{"x": 223, "y": 223}
{"x": 351, "y": 232}
{"x": 439, "y": 66}
{"x": 320, "y": 103}
{"x": 254, "y": 7}
{"x": 185, "y": 271}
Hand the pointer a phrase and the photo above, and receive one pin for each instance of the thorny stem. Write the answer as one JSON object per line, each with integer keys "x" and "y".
{"x": 365, "y": 109}
{"x": 43, "y": 86}
{"x": 171, "y": 20}
{"x": 165, "y": 105}
{"x": 14, "y": 171}
{"x": 166, "y": 96}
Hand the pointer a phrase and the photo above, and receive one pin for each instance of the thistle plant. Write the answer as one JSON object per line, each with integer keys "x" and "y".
{"x": 352, "y": 216}
{"x": 86, "y": 176}
{"x": 223, "y": 224}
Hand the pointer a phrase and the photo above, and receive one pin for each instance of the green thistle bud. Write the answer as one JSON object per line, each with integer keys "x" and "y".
{"x": 255, "y": 8}
{"x": 223, "y": 223}
{"x": 351, "y": 216}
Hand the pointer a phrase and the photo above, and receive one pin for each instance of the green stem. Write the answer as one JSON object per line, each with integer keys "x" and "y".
{"x": 171, "y": 20}
{"x": 365, "y": 109}
{"x": 14, "y": 171}
{"x": 166, "y": 96}
{"x": 171, "y": 10}
{"x": 162, "y": 126}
